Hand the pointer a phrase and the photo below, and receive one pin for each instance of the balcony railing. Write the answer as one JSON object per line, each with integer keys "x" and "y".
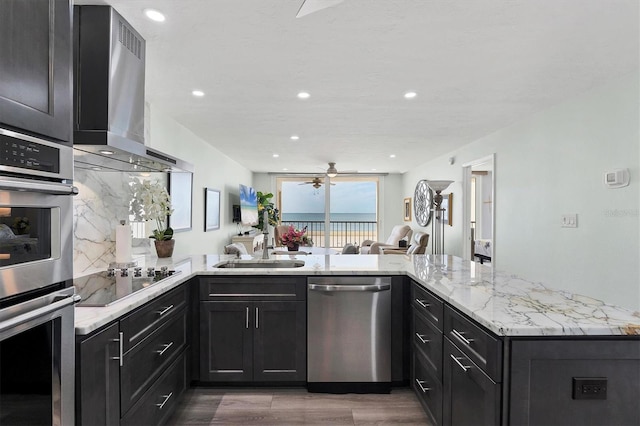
{"x": 340, "y": 232}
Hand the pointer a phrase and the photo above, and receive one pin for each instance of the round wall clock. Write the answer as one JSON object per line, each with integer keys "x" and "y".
{"x": 423, "y": 203}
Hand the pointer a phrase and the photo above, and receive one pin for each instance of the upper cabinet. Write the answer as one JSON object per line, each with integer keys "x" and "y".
{"x": 35, "y": 67}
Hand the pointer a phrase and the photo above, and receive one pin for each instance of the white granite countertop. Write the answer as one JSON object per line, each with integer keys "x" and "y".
{"x": 505, "y": 304}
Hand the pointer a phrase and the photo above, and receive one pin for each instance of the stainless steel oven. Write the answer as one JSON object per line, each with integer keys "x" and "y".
{"x": 36, "y": 275}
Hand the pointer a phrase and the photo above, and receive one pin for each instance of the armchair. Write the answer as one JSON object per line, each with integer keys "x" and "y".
{"x": 418, "y": 245}
{"x": 397, "y": 233}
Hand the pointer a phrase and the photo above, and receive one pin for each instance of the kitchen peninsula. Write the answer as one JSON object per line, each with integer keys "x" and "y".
{"x": 526, "y": 351}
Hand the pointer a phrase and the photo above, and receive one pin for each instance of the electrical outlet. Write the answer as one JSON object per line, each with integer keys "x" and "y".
{"x": 589, "y": 388}
{"x": 570, "y": 220}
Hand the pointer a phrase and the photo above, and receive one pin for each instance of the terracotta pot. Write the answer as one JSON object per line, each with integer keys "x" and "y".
{"x": 164, "y": 248}
{"x": 293, "y": 247}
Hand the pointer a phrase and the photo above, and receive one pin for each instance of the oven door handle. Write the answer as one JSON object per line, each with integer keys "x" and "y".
{"x": 29, "y": 315}
{"x": 39, "y": 186}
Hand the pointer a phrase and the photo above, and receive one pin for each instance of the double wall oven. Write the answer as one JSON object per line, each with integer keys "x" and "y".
{"x": 36, "y": 272}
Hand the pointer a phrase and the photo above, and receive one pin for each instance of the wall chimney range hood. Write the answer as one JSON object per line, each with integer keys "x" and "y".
{"x": 109, "y": 62}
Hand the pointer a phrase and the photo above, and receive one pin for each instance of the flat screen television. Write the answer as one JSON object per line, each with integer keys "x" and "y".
{"x": 248, "y": 205}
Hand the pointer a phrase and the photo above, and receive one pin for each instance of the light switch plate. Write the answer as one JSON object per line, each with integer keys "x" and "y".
{"x": 570, "y": 220}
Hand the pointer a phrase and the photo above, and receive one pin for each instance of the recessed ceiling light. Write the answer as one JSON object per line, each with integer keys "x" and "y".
{"x": 106, "y": 152}
{"x": 295, "y": 137}
{"x": 154, "y": 15}
{"x": 285, "y": 169}
{"x": 304, "y": 95}
{"x": 392, "y": 156}
{"x": 410, "y": 95}
{"x": 373, "y": 170}
{"x": 197, "y": 93}
{"x": 276, "y": 155}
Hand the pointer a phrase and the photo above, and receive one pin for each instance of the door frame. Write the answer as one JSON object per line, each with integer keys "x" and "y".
{"x": 466, "y": 214}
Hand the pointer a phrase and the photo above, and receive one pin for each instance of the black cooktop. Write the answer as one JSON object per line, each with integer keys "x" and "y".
{"x": 104, "y": 288}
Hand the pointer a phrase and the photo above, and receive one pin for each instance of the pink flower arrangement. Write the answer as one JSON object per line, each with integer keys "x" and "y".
{"x": 294, "y": 237}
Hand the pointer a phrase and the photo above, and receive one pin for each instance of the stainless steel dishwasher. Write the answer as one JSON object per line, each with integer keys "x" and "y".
{"x": 349, "y": 334}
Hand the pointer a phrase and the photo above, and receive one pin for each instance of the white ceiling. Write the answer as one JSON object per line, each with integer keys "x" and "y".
{"x": 477, "y": 66}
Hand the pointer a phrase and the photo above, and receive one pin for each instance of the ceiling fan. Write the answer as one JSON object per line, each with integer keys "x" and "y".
{"x": 316, "y": 182}
{"x": 333, "y": 172}
{"x": 310, "y": 6}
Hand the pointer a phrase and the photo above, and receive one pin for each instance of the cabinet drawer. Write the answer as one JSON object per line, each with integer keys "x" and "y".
{"x": 427, "y": 304}
{"x": 252, "y": 288}
{"x": 136, "y": 326}
{"x": 161, "y": 400}
{"x": 428, "y": 389}
{"x": 482, "y": 348}
{"x": 427, "y": 339}
{"x": 144, "y": 363}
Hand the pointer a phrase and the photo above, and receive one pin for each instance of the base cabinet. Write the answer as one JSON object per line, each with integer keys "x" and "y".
{"x": 133, "y": 373}
{"x": 253, "y": 341}
{"x": 253, "y": 329}
{"x": 470, "y": 397}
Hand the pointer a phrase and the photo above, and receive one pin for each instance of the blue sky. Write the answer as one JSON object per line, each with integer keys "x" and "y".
{"x": 346, "y": 197}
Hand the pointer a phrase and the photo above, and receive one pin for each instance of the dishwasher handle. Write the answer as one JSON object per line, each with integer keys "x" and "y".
{"x": 372, "y": 288}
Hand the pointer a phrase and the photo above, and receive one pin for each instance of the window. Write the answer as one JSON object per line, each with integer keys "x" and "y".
{"x": 353, "y": 208}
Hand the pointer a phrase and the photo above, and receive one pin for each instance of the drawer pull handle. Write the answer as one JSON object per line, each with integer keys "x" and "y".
{"x": 120, "y": 349}
{"x": 460, "y": 336}
{"x": 166, "y": 346}
{"x": 165, "y": 310}
{"x": 422, "y": 388}
{"x": 247, "y": 318}
{"x": 166, "y": 398}
{"x": 457, "y": 360}
{"x": 257, "y": 318}
{"x": 423, "y": 303}
{"x": 421, "y": 337}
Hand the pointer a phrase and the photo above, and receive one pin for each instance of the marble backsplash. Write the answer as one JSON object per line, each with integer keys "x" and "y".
{"x": 102, "y": 201}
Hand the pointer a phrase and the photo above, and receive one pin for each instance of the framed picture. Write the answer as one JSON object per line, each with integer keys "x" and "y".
{"x": 447, "y": 204}
{"x": 407, "y": 209}
{"x": 180, "y": 189}
{"x": 211, "y": 209}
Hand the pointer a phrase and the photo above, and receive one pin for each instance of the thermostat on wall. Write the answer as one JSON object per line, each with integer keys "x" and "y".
{"x": 616, "y": 178}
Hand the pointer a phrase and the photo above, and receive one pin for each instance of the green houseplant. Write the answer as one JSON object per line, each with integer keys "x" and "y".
{"x": 264, "y": 202}
{"x": 151, "y": 201}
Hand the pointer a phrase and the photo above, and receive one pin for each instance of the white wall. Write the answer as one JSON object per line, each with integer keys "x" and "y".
{"x": 212, "y": 170}
{"x": 553, "y": 163}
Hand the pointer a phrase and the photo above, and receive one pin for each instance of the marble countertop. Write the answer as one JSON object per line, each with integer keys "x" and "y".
{"x": 503, "y": 303}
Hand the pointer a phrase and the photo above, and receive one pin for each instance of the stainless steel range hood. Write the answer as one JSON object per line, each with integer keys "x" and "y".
{"x": 109, "y": 58}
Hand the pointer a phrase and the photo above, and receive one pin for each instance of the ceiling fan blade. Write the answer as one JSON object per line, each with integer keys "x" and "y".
{"x": 310, "y": 6}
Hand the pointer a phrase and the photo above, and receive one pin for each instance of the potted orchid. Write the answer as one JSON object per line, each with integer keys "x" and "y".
{"x": 293, "y": 238}
{"x": 151, "y": 201}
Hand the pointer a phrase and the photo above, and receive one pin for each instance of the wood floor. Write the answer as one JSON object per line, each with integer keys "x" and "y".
{"x": 207, "y": 406}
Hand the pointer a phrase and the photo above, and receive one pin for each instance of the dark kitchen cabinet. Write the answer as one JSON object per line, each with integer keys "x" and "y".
{"x": 470, "y": 397}
{"x": 135, "y": 370}
{"x": 98, "y": 378}
{"x": 35, "y": 65}
{"x": 252, "y": 329}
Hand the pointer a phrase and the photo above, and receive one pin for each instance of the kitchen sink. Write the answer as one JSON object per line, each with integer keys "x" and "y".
{"x": 260, "y": 264}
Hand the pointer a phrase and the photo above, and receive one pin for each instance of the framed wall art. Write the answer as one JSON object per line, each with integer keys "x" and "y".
{"x": 211, "y": 209}
{"x": 180, "y": 189}
{"x": 407, "y": 209}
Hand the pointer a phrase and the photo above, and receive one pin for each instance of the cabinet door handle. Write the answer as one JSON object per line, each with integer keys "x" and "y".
{"x": 257, "y": 318}
{"x": 459, "y": 335}
{"x": 247, "y": 317}
{"x": 422, "y": 388}
{"x": 421, "y": 337}
{"x": 457, "y": 360}
{"x": 120, "y": 349}
{"x": 166, "y": 398}
{"x": 165, "y": 310}
{"x": 166, "y": 346}
{"x": 423, "y": 303}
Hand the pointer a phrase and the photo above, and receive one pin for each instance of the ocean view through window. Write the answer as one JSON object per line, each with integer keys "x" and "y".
{"x": 353, "y": 208}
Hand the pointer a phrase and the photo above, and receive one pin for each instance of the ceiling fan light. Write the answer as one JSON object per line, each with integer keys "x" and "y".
{"x": 332, "y": 171}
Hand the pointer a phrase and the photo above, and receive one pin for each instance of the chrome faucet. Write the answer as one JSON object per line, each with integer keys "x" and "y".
{"x": 265, "y": 233}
